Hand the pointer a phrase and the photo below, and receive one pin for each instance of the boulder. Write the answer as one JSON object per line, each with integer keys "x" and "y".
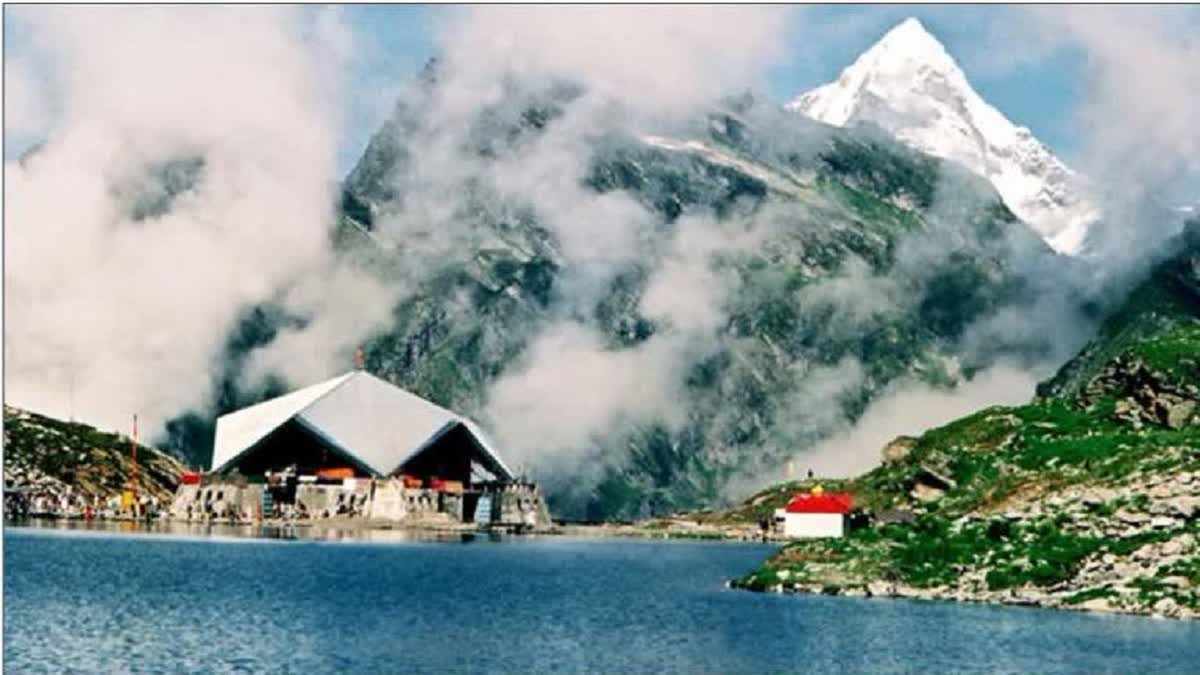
{"x": 1179, "y": 414}
{"x": 1185, "y": 507}
{"x": 1132, "y": 517}
{"x": 1172, "y": 547}
{"x": 1160, "y": 508}
{"x": 880, "y": 589}
{"x": 1144, "y": 554}
{"x": 1128, "y": 410}
{"x": 1161, "y": 491}
{"x": 1097, "y": 605}
{"x": 898, "y": 449}
{"x": 1126, "y": 570}
{"x": 930, "y": 485}
{"x": 926, "y": 493}
{"x": 1167, "y": 607}
{"x": 1163, "y": 522}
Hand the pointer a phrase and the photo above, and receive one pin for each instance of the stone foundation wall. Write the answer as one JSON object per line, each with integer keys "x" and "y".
{"x": 326, "y": 501}
{"x": 217, "y": 500}
{"x": 520, "y": 504}
{"x": 383, "y": 500}
{"x": 390, "y": 502}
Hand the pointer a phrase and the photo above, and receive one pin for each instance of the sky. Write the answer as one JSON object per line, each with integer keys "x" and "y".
{"x": 827, "y": 38}
{"x": 392, "y": 42}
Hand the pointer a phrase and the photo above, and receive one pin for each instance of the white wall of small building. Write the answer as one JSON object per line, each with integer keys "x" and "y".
{"x": 813, "y": 525}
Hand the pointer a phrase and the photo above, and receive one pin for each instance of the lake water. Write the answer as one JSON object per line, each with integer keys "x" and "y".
{"x": 103, "y": 602}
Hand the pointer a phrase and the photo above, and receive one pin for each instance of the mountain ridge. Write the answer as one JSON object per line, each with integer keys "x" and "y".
{"x": 908, "y": 84}
{"x": 853, "y": 201}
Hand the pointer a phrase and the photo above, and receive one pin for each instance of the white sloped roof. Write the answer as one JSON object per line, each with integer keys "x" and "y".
{"x": 372, "y": 420}
{"x": 241, "y": 429}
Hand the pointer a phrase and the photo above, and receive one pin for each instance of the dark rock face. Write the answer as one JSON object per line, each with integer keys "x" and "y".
{"x": 153, "y": 191}
{"x": 1144, "y": 396}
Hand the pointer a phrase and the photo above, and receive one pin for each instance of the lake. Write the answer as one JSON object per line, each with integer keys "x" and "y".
{"x": 80, "y": 601}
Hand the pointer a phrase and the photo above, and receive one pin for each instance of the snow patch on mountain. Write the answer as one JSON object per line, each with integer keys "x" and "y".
{"x": 784, "y": 182}
{"x": 908, "y": 84}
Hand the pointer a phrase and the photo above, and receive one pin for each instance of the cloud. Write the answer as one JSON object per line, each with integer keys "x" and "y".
{"x": 571, "y": 389}
{"x": 905, "y": 408}
{"x": 908, "y": 408}
{"x": 496, "y": 62}
{"x": 665, "y": 58}
{"x": 1136, "y": 115}
{"x": 218, "y": 127}
{"x": 342, "y": 307}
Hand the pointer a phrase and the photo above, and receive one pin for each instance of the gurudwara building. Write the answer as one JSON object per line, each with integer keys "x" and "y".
{"x": 356, "y": 446}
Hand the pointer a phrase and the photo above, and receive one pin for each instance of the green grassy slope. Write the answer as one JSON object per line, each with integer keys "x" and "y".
{"x": 1087, "y": 496}
{"x": 52, "y": 454}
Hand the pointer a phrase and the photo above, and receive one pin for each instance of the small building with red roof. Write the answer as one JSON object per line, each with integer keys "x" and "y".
{"x": 815, "y": 514}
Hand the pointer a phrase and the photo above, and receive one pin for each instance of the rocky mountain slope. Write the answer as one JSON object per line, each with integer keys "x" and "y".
{"x": 1088, "y": 497}
{"x": 54, "y": 457}
{"x": 867, "y": 263}
{"x": 910, "y": 86}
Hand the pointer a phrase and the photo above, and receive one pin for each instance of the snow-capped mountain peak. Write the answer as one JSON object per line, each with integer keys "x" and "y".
{"x": 908, "y": 84}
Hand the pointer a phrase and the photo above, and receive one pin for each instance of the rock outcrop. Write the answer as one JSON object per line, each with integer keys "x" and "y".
{"x": 1145, "y": 396}
{"x": 70, "y": 466}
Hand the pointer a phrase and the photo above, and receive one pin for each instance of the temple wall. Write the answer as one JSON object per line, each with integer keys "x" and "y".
{"x": 513, "y": 505}
{"x": 217, "y": 500}
{"x": 521, "y": 504}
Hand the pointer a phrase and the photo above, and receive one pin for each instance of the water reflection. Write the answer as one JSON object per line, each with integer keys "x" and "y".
{"x": 273, "y": 531}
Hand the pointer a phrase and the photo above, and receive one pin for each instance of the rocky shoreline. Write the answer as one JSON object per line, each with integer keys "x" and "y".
{"x": 1012, "y": 597}
{"x": 1128, "y": 548}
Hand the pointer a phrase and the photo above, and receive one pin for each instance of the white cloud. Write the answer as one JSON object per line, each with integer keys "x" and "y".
{"x": 1139, "y": 99}
{"x": 570, "y": 389}
{"x": 133, "y": 315}
{"x": 908, "y": 409}
{"x": 904, "y": 409}
{"x": 663, "y": 57}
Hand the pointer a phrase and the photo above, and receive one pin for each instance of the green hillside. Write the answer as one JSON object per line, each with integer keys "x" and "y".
{"x": 51, "y": 456}
{"x": 1088, "y": 497}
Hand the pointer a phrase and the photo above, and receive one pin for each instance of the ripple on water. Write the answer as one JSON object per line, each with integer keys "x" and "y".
{"x": 99, "y": 603}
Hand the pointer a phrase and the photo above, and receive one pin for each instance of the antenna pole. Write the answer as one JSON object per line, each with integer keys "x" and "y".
{"x": 133, "y": 465}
